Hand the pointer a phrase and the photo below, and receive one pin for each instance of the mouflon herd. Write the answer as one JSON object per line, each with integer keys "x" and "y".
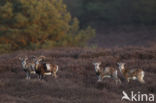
{"x": 38, "y": 65}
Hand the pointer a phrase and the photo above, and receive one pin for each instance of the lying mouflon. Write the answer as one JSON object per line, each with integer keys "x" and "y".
{"x": 107, "y": 72}
{"x": 133, "y": 74}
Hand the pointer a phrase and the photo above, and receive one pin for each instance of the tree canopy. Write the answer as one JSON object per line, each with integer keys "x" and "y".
{"x": 32, "y": 24}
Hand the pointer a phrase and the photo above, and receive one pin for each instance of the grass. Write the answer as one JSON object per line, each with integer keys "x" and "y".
{"x": 77, "y": 81}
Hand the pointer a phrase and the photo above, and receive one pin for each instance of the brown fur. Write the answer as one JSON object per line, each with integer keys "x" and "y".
{"x": 132, "y": 73}
{"x": 136, "y": 73}
{"x": 28, "y": 67}
{"x": 107, "y": 72}
{"x": 41, "y": 69}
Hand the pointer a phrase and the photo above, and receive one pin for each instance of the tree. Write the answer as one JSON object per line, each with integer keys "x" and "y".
{"x": 32, "y": 24}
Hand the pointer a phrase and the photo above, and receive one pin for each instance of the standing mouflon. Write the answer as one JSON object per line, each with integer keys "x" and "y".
{"x": 43, "y": 68}
{"x": 107, "y": 72}
{"x": 134, "y": 74}
{"x": 29, "y": 68}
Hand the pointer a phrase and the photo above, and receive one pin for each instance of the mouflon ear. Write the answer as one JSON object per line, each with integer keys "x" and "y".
{"x": 99, "y": 63}
{"x": 95, "y": 63}
{"x": 40, "y": 59}
{"x": 119, "y": 63}
{"x": 20, "y": 58}
{"x": 26, "y": 58}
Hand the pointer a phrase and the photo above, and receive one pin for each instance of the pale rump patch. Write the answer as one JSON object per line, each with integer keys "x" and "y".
{"x": 134, "y": 78}
{"x": 57, "y": 68}
{"x": 107, "y": 69}
{"x": 48, "y": 66}
{"x": 48, "y": 73}
{"x": 33, "y": 72}
{"x": 106, "y": 76}
{"x": 142, "y": 75}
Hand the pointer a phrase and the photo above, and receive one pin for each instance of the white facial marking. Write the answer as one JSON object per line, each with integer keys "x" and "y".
{"x": 24, "y": 64}
{"x": 121, "y": 66}
{"x": 37, "y": 62}
{"x": 97, "y": 66}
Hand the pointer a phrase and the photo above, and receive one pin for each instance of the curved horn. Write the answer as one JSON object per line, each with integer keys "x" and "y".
{"x": 33, "y": 56}
{"x": 41, "y": 57}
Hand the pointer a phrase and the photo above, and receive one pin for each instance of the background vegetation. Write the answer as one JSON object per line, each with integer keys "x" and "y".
{"x": 118, "y": 23}
{"x": 36, "y": 24}
{"x": 33, "y": 24}
{"x": 114, "y": 12}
